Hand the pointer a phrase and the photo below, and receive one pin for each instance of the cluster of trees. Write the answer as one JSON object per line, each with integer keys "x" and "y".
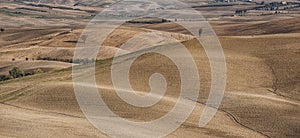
{"x": 272, "y": 6}
{"x": 16, "y": 72}
{"x": 148, "y": 20}
{"x": 276, "y": 6}
{"x": 241, "y": 12}
{"x": 55, "y": 59}
{"x": 77, "y": 61}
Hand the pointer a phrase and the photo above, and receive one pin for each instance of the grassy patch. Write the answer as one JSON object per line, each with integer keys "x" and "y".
{"x": 14, "y": 13}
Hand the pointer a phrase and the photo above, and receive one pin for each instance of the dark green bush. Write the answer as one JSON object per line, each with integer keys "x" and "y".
{"x": 4, "y": 78}
{"x": 16, "y": 72}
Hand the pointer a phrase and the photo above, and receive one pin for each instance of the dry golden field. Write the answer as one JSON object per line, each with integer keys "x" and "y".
{"x": 263, "y": 74}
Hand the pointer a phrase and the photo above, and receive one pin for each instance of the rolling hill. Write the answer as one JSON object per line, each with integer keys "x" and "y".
{"x": 52, "y": 98}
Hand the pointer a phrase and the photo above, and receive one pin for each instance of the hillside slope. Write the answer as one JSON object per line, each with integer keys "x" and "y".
{"x": 251, "y": 107}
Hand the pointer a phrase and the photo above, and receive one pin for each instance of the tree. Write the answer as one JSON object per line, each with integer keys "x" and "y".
{"x": 26, "y": 59}
{"x": 16, "y": 72}
{"x": 83, "y": 38}
{"x": 200, "y": 31}
{"x": 13, "y": 59}
{"x": 1, "y": 29}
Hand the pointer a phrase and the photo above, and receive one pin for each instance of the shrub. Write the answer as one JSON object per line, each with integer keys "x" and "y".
{"x": 83, "y": 38}
{"x": 28, "y": 74}
{"x": 16, "y": 72}
{"x": 4, "y": 78}
{"x": 1, "y": 30}
{"x": 38, "y": 71}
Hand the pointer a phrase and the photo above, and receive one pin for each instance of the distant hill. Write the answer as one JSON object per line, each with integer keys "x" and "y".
{"x": 68, "y": 2}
